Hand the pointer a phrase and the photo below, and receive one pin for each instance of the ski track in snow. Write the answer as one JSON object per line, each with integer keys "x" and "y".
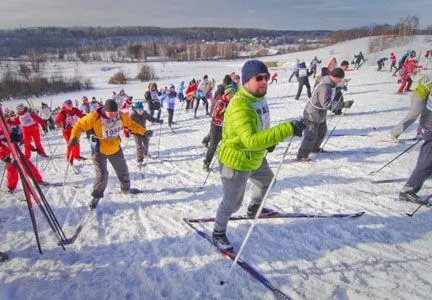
{"x": 138, "y": 247}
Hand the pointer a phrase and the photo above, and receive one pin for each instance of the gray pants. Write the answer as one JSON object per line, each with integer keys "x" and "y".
{"x": 423, "y": 168}
{"x": 118, "y": 162}
{"x": 416, "y": 107}
{"x": 314, "y": 135}
{"x": 234, "y": 186}
{"x": 141, "y": 143}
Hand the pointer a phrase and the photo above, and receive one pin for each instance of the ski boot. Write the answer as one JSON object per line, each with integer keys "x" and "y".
{"x": 220, "y": 240}
{"x": 412, "y": 197}
{"x": 93, "y": 203}
{"x": 253, "y": 209}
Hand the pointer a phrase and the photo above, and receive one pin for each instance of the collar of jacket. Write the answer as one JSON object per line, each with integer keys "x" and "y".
{"x": 245, "y": 94}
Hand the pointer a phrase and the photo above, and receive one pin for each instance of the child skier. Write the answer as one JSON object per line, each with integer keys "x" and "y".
{"x": 170, "y": 96}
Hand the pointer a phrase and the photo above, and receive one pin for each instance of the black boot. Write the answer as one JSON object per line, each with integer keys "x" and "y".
{"x": 3, "y": 257}
{"x": 220, "y": 240}
{"x": 253, "y": 209}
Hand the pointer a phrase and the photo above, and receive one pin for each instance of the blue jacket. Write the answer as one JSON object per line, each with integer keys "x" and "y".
{"x": 170, "y": 98}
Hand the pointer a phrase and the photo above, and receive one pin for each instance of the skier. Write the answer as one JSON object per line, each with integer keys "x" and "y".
{"x": 140, "y": 116}
{"x": 201, "y": 94}
{"x": 190, "y": 94}
{"x": 11, "y": 164}
{"x": 119, "y": 97}
{"x": 94, "y": 104}
{"x": 274, "y": 78}
{"x": 359, "y": 60}
{"x": 303, "y": 80}
{"x": 409, "y": 68}
{"x": 393, "y": 61}
{"x": 341, "y": 86}
{"x": 152, "y": 97}
{"x": 407, "y": 54}
{"x": 29, "y": 123}
{"x": 246, "y": 135}
{"x": 313, "y": 65}
{"x": 294, "y": 71}
{"x": 170, "y": 96}
{"x": 217, "y": 96}
{"x": 217, "y": 123}
{"x": 66, "y": 119}
{"x": 380, "y": 63}
{"x": 332, "y": 64}
{"x": 125, "y": 108}
{"x": 423, "y": 167}
{"x": 418, "y": 100}
{"x": 315, "y": 114}
{"x": 180, "y": 91}
{"x": 85, "y": 106}
{"x": 46, "y": 115}
{"x": 106, "y": 123}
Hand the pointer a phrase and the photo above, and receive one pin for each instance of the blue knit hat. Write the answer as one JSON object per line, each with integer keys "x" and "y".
{"x": 138, "y": 106}
{"x": 252, "y": 68}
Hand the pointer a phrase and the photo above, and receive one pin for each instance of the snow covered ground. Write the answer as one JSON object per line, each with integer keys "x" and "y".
{"x": 139, "y": 247}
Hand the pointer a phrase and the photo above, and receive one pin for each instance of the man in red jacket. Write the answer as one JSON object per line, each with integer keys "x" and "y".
{"x": 65, "y": 119}
{"x": 29, "y": 123}
{"x": 393, "y": 61}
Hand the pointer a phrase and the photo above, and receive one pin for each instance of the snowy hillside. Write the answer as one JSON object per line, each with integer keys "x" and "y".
{"x": 138, "y": 247}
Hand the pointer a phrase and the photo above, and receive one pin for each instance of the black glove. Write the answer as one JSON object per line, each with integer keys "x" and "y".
{"x": 299, "y": 126}
{"x": 348, "y": 104}
{"x": 159, "y": 121}
{"x": 45, "y": 129}
{"x": 7, "y": 159}
{"x": 73, "y": 142}
{"x": 148, "y": 133}
{"x": 15, "y": 135}
{"x": 271, "y": 149}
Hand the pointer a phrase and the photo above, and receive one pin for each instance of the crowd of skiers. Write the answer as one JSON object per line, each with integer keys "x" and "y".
{"x": 239, "y": 123}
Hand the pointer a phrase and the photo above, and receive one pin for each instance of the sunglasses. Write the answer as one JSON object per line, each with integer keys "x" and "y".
{"x": 262, "y": 77}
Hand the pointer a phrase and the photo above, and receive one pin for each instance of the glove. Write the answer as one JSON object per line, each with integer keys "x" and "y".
{"x": 159, "y": 121}
{"x": 271, "y": 149}
{"x": 348, "y": 104}
{"x": 299, "y": 126}
{"x": 73, "y": 142}
{"x": 45, "y": 129}
{"x": 148, "y": 133}
{"x": 15, "y": 136}
{"x": 7, "y": 159}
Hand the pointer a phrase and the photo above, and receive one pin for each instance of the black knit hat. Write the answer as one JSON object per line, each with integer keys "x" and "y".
{"x": 110, "y": 105}
{"x": 252, "y": 68}
{"x": 338, "y": 73}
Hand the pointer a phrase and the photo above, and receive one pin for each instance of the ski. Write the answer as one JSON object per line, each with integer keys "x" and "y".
{"x": 388, "y": 180}
{"x": 58, "y": 184}
{"x": 244, "y": 265}
{"x": 284, "y": 215}
{"x": 84, "y": 221}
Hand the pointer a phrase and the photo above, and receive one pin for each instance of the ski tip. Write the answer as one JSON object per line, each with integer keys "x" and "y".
{"x": 360, "y": 214}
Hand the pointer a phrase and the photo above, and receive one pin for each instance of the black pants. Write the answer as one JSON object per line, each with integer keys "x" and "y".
{"x": 300, "y": 88}
{"x": 314, "y": 134}
{"x": 205, "y": 102}
{"x": 215, "y": 138}
{"x": 155, "y": 106}
{"x": 49, "y": 123}
{"x": 170, "y": 116}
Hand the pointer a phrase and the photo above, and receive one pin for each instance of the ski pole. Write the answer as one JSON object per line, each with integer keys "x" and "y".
{"x": 254, "y": 221}
{"x": 67, "y": 168}
{"x": 399, "y": 155}
{"x": 4, "y": 171}
{"x": 426, "y": 201}
{"x": 160, "y": 133}
{"x": 209, "y": 170}
{"x": 51, "y": 157}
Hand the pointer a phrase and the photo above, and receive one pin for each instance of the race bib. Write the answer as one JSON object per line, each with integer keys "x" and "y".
{"x": 26, "y": 120}
{"x": 71, "y": 120}
{"x": 111, "y": 128}
{"x": 302, "y": 72}
{"x": 263, "y": 112}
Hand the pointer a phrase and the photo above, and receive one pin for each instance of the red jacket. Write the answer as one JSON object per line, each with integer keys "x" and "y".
{"x": 409, "y": 68}
{"x": 67, "y": 118}
{"x": 27, "y": 119}
{"x": 219, "y": 110}
{"x": 191, "y": 88}
{"x": 393, "y": 58}
{"x": 274, "y": 76}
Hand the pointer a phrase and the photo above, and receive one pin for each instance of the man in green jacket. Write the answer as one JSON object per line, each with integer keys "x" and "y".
{"x": 418, "y": 100}
{"x": 246, "y": 136}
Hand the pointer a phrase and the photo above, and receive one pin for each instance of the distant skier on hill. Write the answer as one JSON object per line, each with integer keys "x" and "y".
{"x": 313, "y": 65}
{"x": 295, "y": 69}
{"x": 409, "y": 68}
{"x": 359, "y": 60}
{"x": 302, "y": 75}
{"x": 393, "y": 61}
{"x": 274, "y": 78}
{"x": 380, "y": 63}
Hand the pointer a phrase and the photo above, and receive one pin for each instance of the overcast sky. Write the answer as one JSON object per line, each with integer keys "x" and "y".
{"x": 263, "y": 14}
